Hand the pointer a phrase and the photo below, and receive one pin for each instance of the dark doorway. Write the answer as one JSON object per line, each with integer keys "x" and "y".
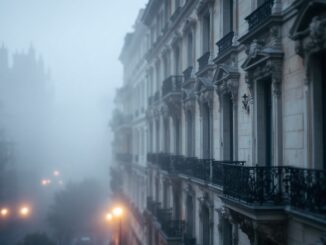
{"x": 190, "y": 134}
{"x": 190, "y": 216}
{"x": 323, "y": 105}
{"x": 206, "y": 225}
{"x": 207, "y": 128}
{"x": 228, "y": 149}
{"x": 268, "y": 122}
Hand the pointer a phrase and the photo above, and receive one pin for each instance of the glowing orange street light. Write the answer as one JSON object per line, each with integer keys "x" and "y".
{"x": 24, "y": 211}
{"x": 4, "y": 212}
{"x": 118, "y": 211}
{"x": 108, "y": 217}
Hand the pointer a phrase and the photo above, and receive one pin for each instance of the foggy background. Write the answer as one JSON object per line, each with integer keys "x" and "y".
{"x": 79, "y": 42}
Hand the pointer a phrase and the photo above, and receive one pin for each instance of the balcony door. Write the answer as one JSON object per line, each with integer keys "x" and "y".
{"x": 318, "y": 110}
{"x": 207, "y": 131}
{"x": 228, "y": 122}
{"x": 190, "y": 134}
{"x": 190, "y": 216}
{"x": 264, "y": 122}
{"x": 206, "y": 234}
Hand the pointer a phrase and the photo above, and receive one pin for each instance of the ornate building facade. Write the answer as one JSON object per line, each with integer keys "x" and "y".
{"x": 220, "y": 127}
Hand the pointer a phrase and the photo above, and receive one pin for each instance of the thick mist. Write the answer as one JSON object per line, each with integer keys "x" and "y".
{"x": 59, "y": 70}
{"x": 79, "y": 42}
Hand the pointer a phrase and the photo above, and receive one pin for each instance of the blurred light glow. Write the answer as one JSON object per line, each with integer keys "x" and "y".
{"x": 117, "y": 211}
{"x": 108, "y": 216}
{"x": 56, "y": 173}
{"x": 4, "y": 212}
{"x": 24, "y": 211}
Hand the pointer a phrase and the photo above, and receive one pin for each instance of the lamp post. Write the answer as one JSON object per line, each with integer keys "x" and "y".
{"x": 117, "y": 212}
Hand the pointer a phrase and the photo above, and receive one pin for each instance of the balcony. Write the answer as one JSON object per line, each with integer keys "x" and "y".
{"x": 124, "y": 157}
{"x": 171, "y": 228}
{"x": 171, "y": 85}
{"x": 303, "y": 189}
{"x": 225, "y": 43}
{"x": 203, "y": 61}
{"x": 187, "y": 73}
{"x": 260, "y": 15}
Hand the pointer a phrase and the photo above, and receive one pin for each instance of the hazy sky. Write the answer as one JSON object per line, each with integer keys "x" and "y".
{"x": 80, "y": 41}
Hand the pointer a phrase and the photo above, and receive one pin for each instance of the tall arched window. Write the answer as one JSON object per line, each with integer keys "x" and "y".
{"x": 206, "y": 231}
{"x": 190, "y": 134}
{"x": 207, "y": 131}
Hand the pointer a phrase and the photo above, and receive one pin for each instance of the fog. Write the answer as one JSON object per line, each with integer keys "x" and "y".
{"x": 79, "y": 41}
{"x": 60, "y": 122}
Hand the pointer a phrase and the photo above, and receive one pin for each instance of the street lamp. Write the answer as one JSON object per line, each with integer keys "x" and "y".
{"x": 24, "y": 211}
{"x": 4, "y": 212}
{"x": 118, "y": 212}
{"x": 108, "y": 217}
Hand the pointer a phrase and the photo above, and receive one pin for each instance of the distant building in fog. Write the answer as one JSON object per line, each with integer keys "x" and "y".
{"x": 25, "y": 107}
{"x": 220, "y": 127}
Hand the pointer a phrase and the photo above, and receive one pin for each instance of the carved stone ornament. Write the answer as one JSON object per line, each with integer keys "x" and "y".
{"x": 227, "y": 81}
{"x": 205, "y": 91}
{"x": 264, "y": 61}
{"x": 204, "y": 5}
{"x": 309, "y": 31}
{"x": 189, "y": 25}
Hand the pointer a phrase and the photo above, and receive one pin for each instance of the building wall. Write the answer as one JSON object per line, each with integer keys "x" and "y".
{"x": 148, "y": 69}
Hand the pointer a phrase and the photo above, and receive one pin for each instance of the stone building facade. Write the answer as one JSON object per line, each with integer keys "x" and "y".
{"x": 220, "y": 133}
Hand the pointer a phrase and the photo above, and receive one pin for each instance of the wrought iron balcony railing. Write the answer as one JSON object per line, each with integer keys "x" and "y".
{"x": 187, "y": 73}
{"x": 217, "y": 171}
{"x": 188, "y": 240}
{"x": 225, "y": 43}
{"x": 203, "y": 60}
{"x": 173, "y": 228}
{"x": 124, "y": 157}
{"x": 304, "y": 189}
{"x": 171, "y": 84}
{"x": 260, "y": 15}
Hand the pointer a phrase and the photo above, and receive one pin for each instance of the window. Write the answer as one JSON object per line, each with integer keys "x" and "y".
{"x": 207, "y": 131}
{"x": 177, "y": 61}
{"x": 205, "y": 226}
{"x": 190, "y": 134}
{"x": 228, "y": 122}
{"x": 264, "y": 122}
{"x": 190, "y": 49}
{"x": 227, "y": 16}
{"x": 206, "y": 33}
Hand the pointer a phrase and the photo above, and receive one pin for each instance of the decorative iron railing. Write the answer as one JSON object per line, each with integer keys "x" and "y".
{"x": 187, "y": 73}
{"x": 203, "y": 60}
{"x": 260, "y": 15}
{"x": 189, "y": 240}
{"x": 225, "y": 43}
{"x": 217, "y": 171}
{"x": 173, "y": 228}
{"x": 304, "y": 189}
{"x": 171, "y": 84}
{"x": 301, "y": 188}
{"x": 124, "y": 157}
{"x": 170, "y": 227}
